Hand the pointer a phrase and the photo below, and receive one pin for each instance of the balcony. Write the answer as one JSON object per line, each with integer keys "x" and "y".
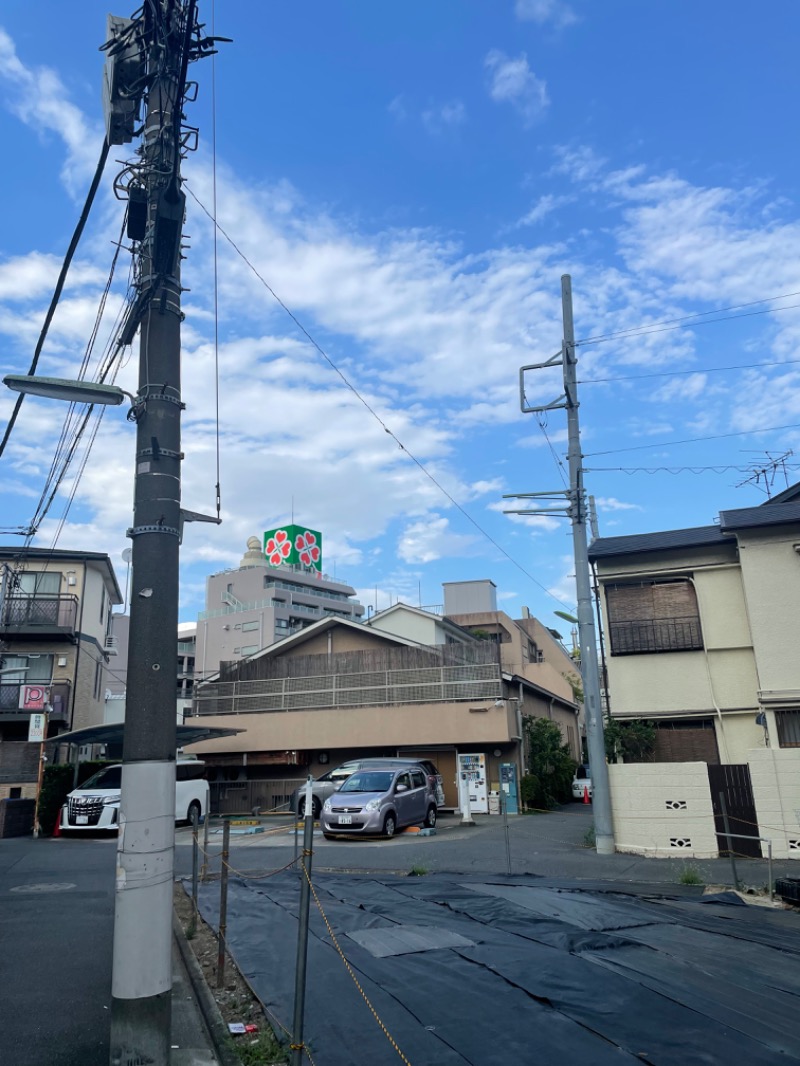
{"x": 20, "y": 699}
{"x": 656, "y": 635}
{"x": 50, "y": 617}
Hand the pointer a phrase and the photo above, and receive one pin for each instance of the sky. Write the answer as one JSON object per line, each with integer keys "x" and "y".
{"x": 411, "y": 181}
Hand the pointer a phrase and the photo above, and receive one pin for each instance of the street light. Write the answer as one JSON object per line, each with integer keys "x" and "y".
{"x": 66, "y": 389}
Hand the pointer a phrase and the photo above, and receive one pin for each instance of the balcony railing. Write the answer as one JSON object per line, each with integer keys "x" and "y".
{"x": 373, "y": 689}
{"x": 20, "y": 699}
{"x": 656, "y": 635}
{"x": 42, "y": 616}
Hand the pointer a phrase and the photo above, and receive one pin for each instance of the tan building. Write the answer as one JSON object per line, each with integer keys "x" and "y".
{"x": 700, "y": 630}
{"x": 339, "y": 689}
{"x": 55, "y": 619}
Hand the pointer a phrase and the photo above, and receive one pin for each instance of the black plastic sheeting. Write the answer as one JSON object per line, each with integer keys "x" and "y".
{"x": 556, "y": 971}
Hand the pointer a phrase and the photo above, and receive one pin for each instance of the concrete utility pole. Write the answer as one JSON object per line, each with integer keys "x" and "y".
{"x": 142, "y": 965}
{"x": 577, "y": 511}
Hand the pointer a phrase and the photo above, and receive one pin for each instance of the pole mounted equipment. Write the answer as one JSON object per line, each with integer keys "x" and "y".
{"x": 575, "y": 508}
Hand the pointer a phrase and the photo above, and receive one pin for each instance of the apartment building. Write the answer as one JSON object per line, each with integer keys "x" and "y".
{"x": 55, "y": 642}
{"x": 266, "y": 598}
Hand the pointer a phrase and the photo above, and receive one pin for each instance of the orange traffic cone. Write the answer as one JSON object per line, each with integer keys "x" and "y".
{"x": 57, "y": 830}
{"x": 586, "y": 794}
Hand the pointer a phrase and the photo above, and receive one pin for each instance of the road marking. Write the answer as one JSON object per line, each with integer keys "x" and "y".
{"x": 63, "y": 886}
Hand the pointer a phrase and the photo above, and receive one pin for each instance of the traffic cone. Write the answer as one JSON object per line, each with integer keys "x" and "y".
{"x": 586, "y": 794}
{"x": 57, "y": 830}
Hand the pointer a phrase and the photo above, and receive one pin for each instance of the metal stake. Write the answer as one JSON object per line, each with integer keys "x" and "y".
{"x": 302, "y": 935}
{"x": 193, "y": 921}
{"x": 223, "y": 904}
{"x": 504, "y": 808}
{"x": 725, "y": 822}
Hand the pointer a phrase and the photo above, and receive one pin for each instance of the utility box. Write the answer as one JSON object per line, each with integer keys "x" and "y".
{"x": 508, "y": 786}
{"x": 494, "y": 803}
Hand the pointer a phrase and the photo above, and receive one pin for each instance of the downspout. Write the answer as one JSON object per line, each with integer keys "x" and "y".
{"x": 596, "y": 591}
{"x": 78, "y": 651}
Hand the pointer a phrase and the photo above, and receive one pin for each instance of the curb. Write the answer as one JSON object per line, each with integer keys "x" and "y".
{"x": 215, "y": 1023}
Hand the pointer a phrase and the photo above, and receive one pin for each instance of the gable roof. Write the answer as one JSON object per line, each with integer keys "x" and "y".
{"x": 637, "y": 543}
{"x": 766, "y": 514}
{"x": 442, "y": 620}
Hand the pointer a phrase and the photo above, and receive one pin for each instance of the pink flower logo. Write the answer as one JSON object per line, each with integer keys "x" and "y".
{"x": 306, "y": 544}
{"x": 278, "y": 548}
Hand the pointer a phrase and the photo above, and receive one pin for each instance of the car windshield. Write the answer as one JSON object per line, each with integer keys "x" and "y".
{"x": 111, "y": 777}
{"x": 583, "y": 771}
{"x": 368, "y": 781}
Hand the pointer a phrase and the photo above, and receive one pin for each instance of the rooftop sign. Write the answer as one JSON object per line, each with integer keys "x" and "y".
{"x": 293, "y": 545}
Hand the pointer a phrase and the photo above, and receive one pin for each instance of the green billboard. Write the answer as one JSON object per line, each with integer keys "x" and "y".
{"x": 294, "y": 546}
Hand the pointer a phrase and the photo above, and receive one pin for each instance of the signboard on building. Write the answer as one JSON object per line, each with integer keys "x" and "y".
{"x": 293, "y": 545}
{"x": 32, "y": 697}
{"x": 37, "y": 727}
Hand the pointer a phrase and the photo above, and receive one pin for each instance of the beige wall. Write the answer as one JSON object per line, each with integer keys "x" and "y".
{"x": 646, "y": 823}
{"x": 775, "y": 774}
{"x": 771, "y": 576}
{"x": 410, "y": 626}
{"x": 338, "y": 639}
{"x": 417, "y": 724}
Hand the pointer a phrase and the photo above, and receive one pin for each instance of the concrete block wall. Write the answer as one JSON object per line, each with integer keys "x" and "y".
{"x": 663, "y": 810}
{"x": 775, "y": 774}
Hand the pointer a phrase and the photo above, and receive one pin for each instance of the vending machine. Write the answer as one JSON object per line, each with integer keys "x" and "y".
{"x": 472, "y": 769}
{"x": 508, "y": 786}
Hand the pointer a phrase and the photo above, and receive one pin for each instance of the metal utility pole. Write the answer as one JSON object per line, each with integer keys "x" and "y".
{"x": 142, "y": 963}
{"x": 576, "y": 509}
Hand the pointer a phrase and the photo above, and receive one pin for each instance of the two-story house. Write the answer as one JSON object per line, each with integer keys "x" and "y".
{"x": 55, "y": 617}
{"x": 700, "y": 637}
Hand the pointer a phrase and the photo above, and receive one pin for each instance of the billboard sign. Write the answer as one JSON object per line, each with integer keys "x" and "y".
{"x": 32, "y": 697}
{"x": 293, "y": 545}
{"x": 37, "y": 727}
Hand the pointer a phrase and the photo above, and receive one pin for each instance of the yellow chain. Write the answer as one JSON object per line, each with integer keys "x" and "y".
{"x": 349, "y": 968}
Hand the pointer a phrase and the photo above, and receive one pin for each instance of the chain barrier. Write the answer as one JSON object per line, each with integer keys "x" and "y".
{"x": 350, "y": 970}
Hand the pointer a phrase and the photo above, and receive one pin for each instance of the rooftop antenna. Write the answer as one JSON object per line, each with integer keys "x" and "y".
{"x": 765, "y": 471}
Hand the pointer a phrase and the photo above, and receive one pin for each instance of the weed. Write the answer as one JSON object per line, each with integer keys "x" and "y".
{"x": 589, "y": 838}
{"x": 417, "y": 870}
{"x": 690, "y": 875}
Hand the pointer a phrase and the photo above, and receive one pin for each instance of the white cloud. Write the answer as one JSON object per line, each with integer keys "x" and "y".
{"x": 544, "y": 11}
{"x": 38, "y": 96}
{"x": 513, "y": 82}
{"x": 447, "y": 116}
{"x": 609, "y": 503}
{"x": 543, "y": 207}
{"x": 431, "y": 539}
{"x": 397, "y": 108}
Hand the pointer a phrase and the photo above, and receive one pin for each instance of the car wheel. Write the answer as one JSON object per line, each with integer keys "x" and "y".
{"x": 315, "y": 807}
{"x": 430, "y": 817}
{"x": 193, "y": 813}
{"x": 389, "y": 825}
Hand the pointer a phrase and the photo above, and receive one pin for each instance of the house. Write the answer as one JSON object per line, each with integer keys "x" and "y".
{"x": 55, "y": 642}
{"x": 115, "y": 674}
{"x": 700, "y": 637}
{"x": 339, "y": 689}
{"x": 268, "y": 597}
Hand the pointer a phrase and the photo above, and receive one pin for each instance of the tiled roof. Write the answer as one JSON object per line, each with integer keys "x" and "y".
{"x": 650, "y": 542}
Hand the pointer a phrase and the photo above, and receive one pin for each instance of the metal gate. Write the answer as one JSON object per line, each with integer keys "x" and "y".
{"x": 732, "y": 780}
{"x": 243, "y": 797}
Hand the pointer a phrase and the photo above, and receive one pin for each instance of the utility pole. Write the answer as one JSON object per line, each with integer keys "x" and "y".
{"x": 142, "y": 961}
{"x": 576, "y": 509}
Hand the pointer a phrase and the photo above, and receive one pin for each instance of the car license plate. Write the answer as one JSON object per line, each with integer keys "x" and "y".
{"x": 82, "y": 819}
{"x": 345, "y": 819}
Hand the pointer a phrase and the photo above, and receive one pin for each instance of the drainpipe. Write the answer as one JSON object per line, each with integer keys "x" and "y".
{"x": 78, "y": 649}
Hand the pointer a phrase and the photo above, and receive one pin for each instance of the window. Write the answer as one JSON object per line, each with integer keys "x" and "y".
{"x": 248, "y": 627}
{"x": 39, "y": 584}
{"x": 788, "y": 723}
{"x": 653, "y": 616}
{"x": 250, "y": 649}
{"x": 418, "y": 779}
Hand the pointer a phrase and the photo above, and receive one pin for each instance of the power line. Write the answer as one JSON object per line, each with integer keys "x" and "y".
{"x": 678, "y": 373}
{"x": 366, "y": 403}
{"x": 62, "y": 277}
{"x": 675, "y": 469}
{"x": 679, "y": 323}
{"x": 692, "y": 440}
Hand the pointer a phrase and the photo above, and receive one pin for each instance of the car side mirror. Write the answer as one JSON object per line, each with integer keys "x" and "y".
{"x": 402, "y": 788}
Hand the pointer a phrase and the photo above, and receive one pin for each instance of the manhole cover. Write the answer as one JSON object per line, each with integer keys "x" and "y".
{"x": 62, "y": 886}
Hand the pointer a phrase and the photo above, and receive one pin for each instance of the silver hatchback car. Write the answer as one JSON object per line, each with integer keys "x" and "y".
{"x": 374, "y": 800}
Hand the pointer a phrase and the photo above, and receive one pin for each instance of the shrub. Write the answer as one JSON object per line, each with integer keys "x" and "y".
{"x": 550, "y": 763}
{"x": 529, "y": 790}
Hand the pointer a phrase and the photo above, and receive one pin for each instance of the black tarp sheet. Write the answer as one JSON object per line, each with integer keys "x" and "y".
{"x": 556, "y": 972}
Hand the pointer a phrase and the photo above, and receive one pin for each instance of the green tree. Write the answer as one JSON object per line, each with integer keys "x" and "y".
{"x": 549, "y": 762}
{"x": 633, "y": 741}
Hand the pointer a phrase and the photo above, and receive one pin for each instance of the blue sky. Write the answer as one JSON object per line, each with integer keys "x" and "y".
{"x": 412, "y": 180}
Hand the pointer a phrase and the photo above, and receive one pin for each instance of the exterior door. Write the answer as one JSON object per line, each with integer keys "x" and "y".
{"x": 732, "y": 781}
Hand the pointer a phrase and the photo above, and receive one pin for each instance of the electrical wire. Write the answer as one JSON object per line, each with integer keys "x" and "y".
{"x": 678, "y": 373}
{"x": 62, "y": 277}
{"x": 368, "y": 406}
{"x": 692, "y": 440}
{"x": 680, "y": 323}
{"x": 676, "y": 469}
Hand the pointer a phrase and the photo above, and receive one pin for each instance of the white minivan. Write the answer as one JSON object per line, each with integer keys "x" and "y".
{"x": 95, "y": 805}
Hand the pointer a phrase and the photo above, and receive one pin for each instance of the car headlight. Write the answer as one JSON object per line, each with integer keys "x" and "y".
{"x": 373, "y": 805}
{"x": 327, "y": 805}
{"x": 110, "y": 799}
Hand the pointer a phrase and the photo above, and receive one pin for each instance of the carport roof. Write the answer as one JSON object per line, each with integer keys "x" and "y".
{"x": 113, "y": 734}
